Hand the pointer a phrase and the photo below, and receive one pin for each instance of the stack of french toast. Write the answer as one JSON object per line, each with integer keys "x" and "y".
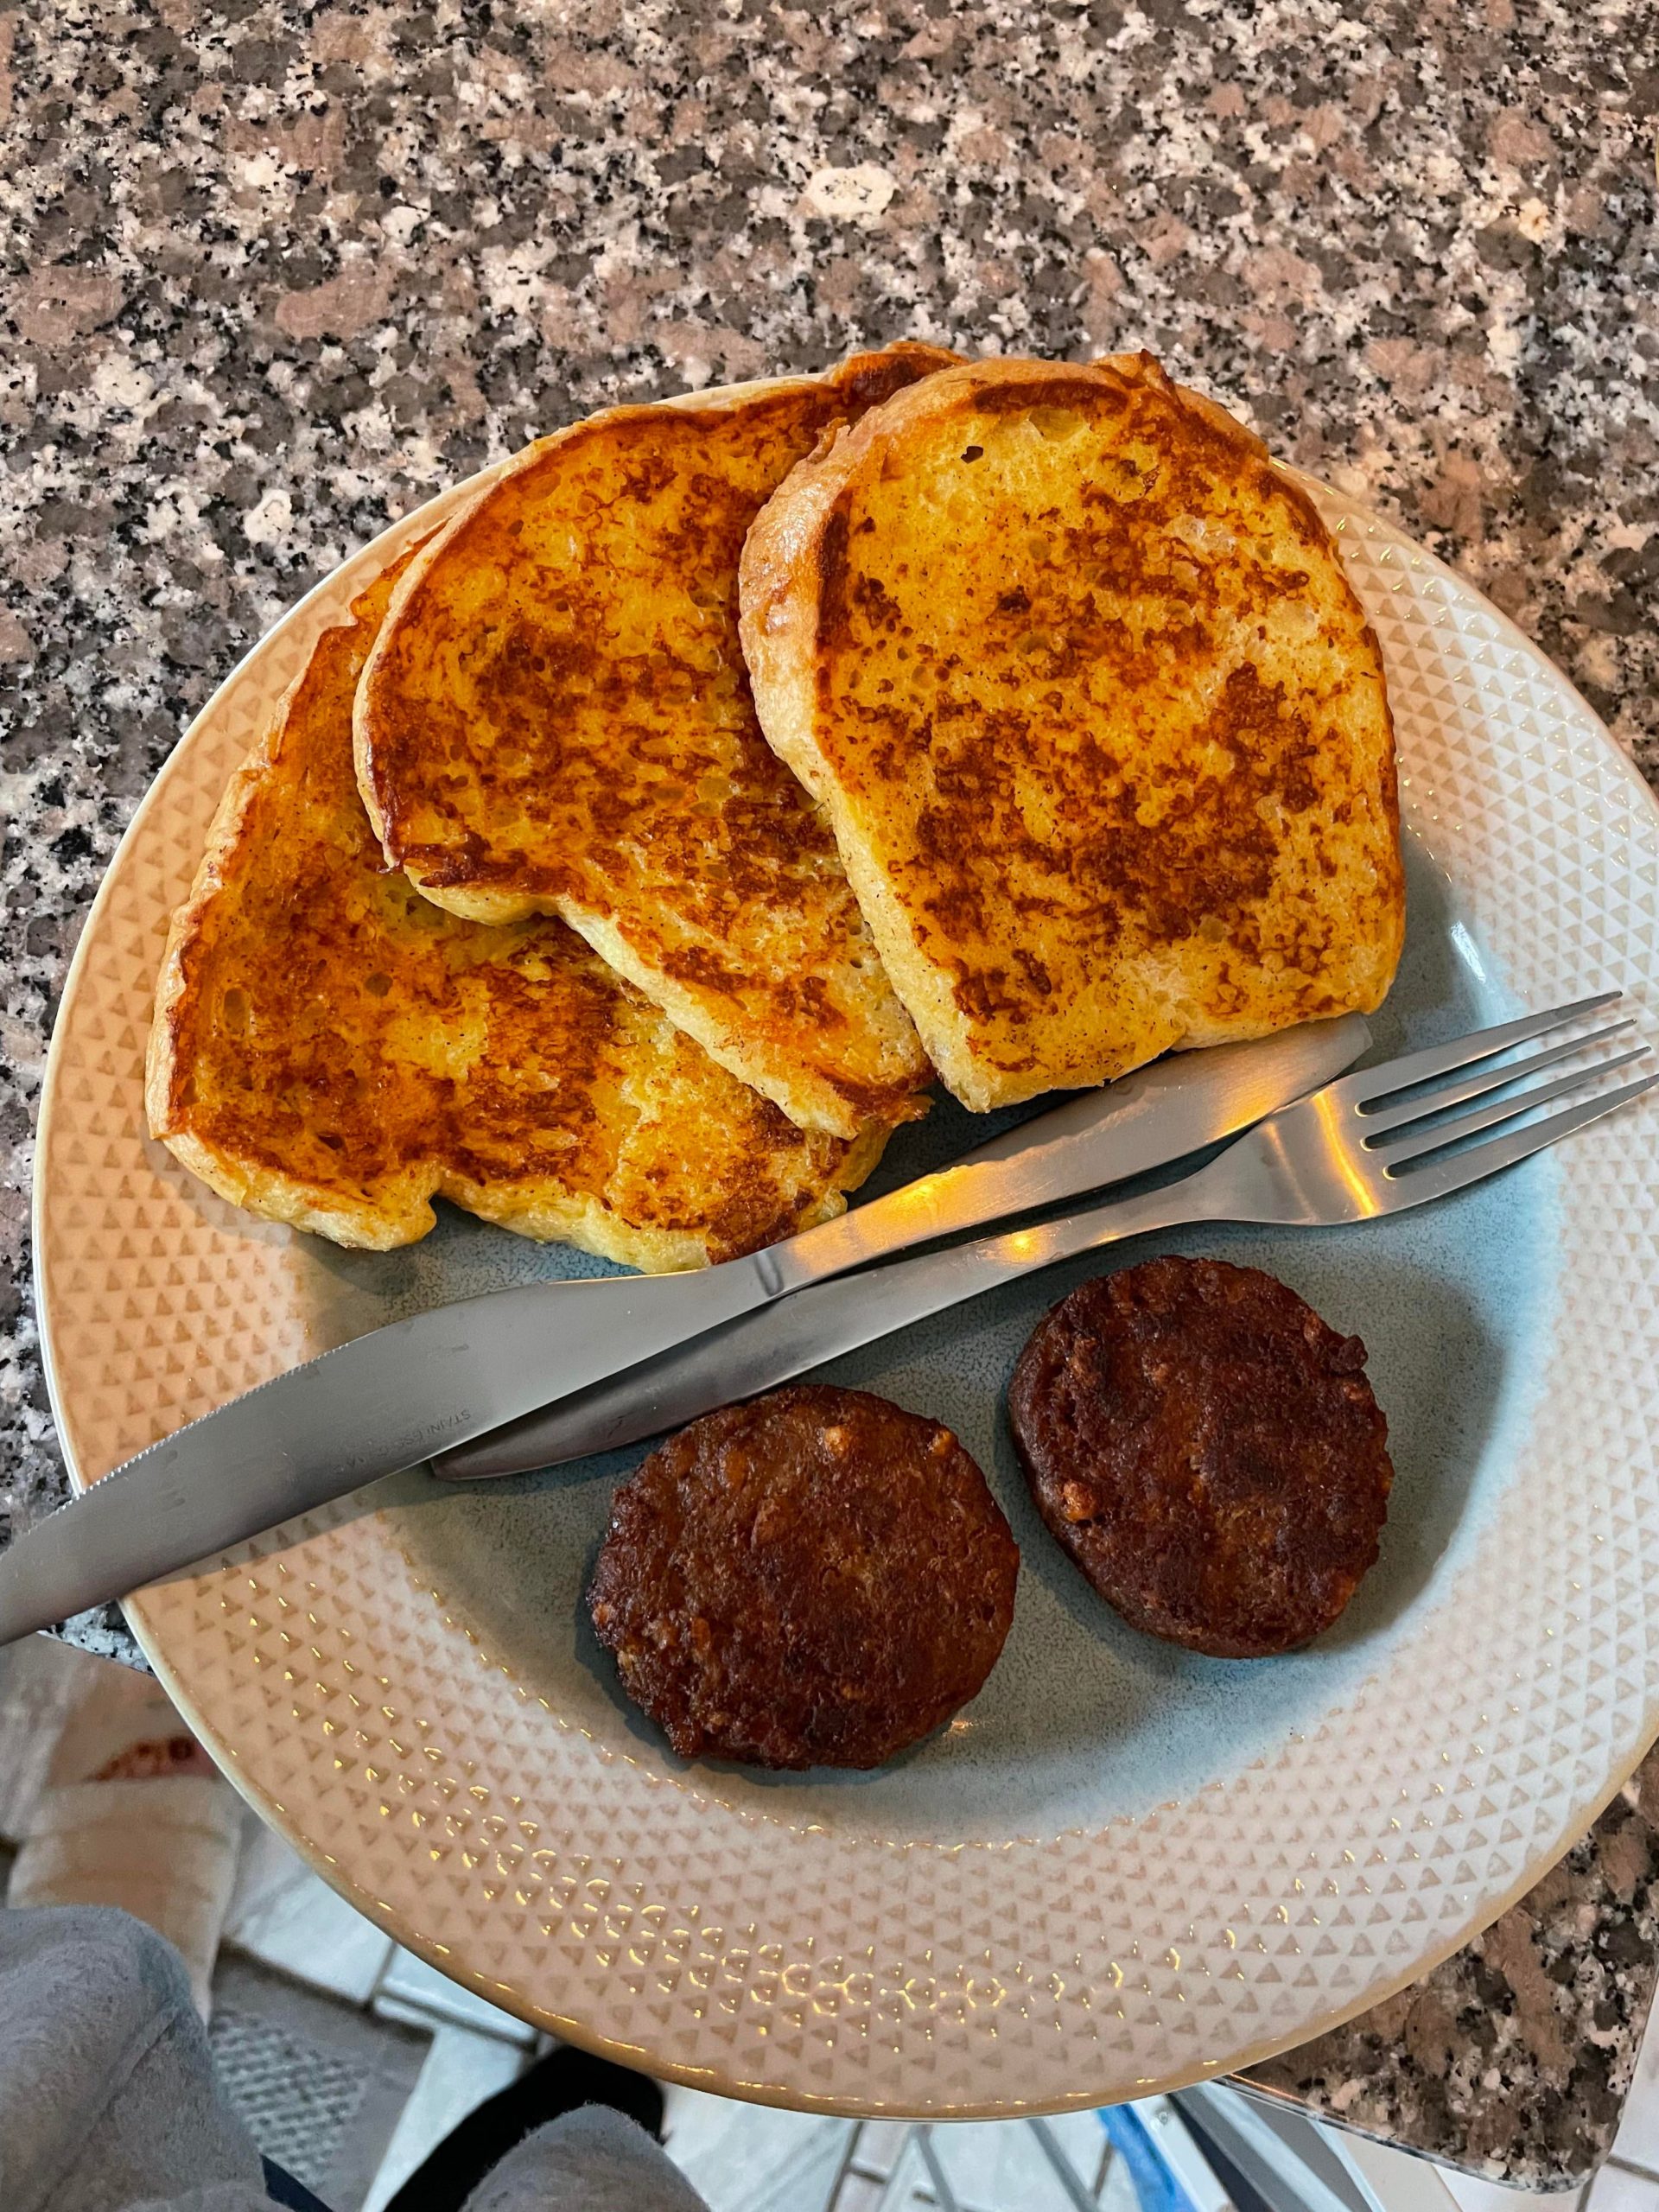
{"x": 725, "y": 771}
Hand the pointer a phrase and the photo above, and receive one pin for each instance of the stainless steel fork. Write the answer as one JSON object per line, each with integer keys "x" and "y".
{"x": 1371, "y": 1143}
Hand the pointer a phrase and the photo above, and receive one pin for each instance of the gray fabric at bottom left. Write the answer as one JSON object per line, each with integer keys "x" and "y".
{"x": 108, "y": 2100}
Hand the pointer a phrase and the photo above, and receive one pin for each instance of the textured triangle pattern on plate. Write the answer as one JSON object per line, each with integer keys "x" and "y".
{"x": 583, "y": 1883}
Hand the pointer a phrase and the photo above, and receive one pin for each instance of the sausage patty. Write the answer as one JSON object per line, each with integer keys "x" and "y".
{"x": 817, "y": 1578}
{"x": 1208, "y": 1452}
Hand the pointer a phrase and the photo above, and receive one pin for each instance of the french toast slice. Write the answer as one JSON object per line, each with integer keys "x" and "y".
{"x": 557, "y": 719}
{"x": 1099, "y": 721}
{"x": 331, "y": 1050}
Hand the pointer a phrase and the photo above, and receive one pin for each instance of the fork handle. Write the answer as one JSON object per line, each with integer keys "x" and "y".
{"x": 785, "y": 1338}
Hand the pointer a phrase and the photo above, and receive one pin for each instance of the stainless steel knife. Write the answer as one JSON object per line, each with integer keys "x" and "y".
{"x": 1147, "y": 1119}
{"x": 421, "y": 1389}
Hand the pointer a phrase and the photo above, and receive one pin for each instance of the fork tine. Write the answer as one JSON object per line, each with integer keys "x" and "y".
{"x": 1474, "y": 1166}
{"x": 1415, "y": 1143}
{"x": 1463, "y": 1051}
{"x": 1489, "y": 1079}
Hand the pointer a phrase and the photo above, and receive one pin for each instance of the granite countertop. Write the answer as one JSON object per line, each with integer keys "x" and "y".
{"x": 272, "y": 275}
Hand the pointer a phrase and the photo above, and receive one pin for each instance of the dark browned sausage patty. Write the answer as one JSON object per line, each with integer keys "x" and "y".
{"x": 1207, "y": 1450}
{"x": 817, "y": 1578}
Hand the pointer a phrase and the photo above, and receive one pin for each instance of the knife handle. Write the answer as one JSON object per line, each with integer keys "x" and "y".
{"x": 384, "y": 1402}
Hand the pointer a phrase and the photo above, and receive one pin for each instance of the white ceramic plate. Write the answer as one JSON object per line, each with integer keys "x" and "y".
{"x": 1125, "y": 1867}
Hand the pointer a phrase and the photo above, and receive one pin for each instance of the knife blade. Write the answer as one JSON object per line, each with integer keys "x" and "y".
{"x": 423, "y": 1387}
{"x": 1177, "y": 1106}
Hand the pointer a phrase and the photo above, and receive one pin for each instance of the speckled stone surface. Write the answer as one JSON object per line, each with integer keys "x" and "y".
{"x": 270, "y": 276}
{"x": 1512, "y": 2058}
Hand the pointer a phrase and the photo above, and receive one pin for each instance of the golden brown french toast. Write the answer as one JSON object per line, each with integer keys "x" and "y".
{"x": 1097, "y": 719}
{"x": 557, "y": 719}
{"x": 332, "y": 1050}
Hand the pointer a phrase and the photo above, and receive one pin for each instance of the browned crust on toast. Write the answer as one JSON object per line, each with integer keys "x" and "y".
{"x": 1099, "y": 723}
{"x": 330, "y": 1050}
{"x": 557, "y": 719}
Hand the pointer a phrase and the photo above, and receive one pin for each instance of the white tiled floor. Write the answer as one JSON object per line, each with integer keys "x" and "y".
{"x": 859, "y": 2193}
{"x": 991, "y": 2165}
{"x": 1622, "y": 2189}
{"x": 879, "y": 2143}
{"x": 750, "y": 2159}
{"x": 461, "y": 2068}
{"x": 1637, "y": 2141}
{"x": 281, "y": 1915}
{"x": 411, "y": 1990}
{"x": 745, "y": 2158}
{"x": 908, "y": 2187}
